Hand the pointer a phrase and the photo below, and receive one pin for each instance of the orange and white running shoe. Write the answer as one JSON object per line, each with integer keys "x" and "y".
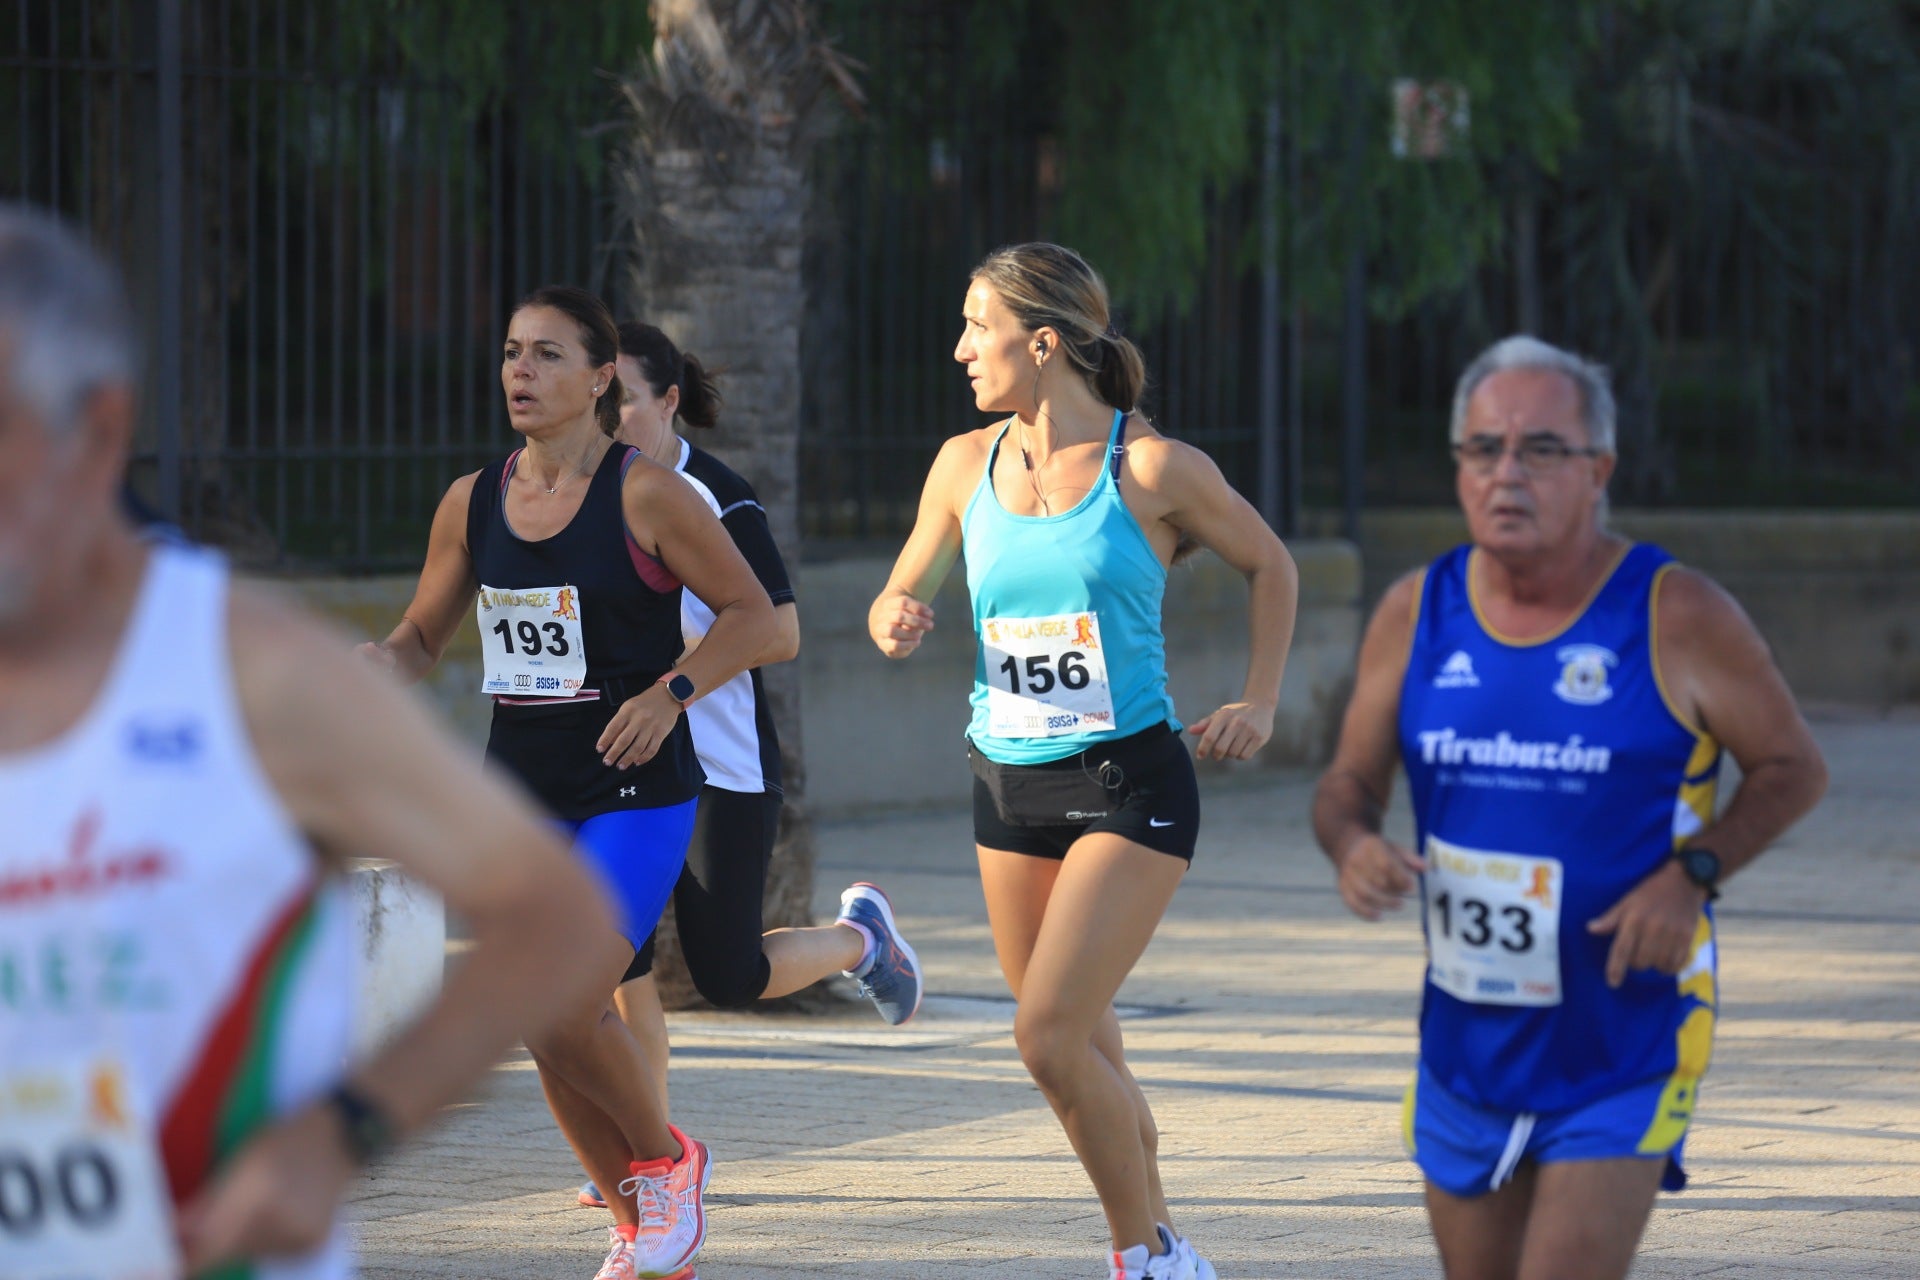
{"x": 619, "y": 1263}
{"x": 673, "y": 1215}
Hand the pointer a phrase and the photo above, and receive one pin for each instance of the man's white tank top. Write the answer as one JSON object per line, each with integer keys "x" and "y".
{"x": 175, "y": 969}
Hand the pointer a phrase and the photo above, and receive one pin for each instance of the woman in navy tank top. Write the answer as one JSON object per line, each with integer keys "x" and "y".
{"x": 572, "y": 551}
{"x": 1070, "y": 509}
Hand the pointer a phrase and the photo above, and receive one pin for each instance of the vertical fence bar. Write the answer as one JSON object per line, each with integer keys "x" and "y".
{"x": 1272, "y": 442}
{"x": 169, "y": 84}
{"x": 53, "y": 104}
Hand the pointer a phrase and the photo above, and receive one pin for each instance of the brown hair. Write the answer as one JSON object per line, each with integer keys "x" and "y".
{"x": 1049, "y": 284}
{"x": 665, "y": 366}
{"x": 597, "y": 335}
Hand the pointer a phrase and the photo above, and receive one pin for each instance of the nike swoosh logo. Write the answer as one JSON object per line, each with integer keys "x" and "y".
{"x": 1155, "y": 822}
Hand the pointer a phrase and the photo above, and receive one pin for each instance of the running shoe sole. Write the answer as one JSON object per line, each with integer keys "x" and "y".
{"x": 880, "y": 899}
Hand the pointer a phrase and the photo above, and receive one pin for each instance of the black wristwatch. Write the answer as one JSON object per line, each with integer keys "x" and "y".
{"x": 1702, "y": 866}
{"x": 679, "y": 686}
{"x": 363, "y": 1125}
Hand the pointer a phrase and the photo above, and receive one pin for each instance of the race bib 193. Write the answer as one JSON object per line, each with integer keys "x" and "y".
{"x": 1046, "y": 676}
{"x": 1493, "y": 925}
{"x": 82, "y": 1192}
{"x": 531, "y": 641}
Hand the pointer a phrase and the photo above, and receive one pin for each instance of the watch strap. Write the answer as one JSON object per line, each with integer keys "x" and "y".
{"x": 364, "y": 1125}
{"x": 1690, "y": 860}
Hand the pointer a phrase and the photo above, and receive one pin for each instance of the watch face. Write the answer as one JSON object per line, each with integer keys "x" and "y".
{"x": 1702, "y": 865}
{"x": 680, "y": 687}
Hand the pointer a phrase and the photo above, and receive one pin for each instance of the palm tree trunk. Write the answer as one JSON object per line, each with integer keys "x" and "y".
{"x": 719, "y": 192}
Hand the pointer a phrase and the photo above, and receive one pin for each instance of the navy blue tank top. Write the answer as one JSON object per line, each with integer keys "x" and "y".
{"x": 629, "y": 612}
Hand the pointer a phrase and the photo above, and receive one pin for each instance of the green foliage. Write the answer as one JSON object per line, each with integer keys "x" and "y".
{"x": 1157, "y": 107}
{"x": 494, "y": 52}
{"x": 1156, "y": 103}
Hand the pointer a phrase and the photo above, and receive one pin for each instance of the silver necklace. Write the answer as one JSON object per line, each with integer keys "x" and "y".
{"x": 577, "y": 471}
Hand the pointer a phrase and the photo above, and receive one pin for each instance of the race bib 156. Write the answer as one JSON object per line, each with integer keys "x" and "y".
{"x": 82, "y": 1192}
{"x": 1046, "y": 676}
{"x": 1493, "y": 924}
{"x": 532, "y": 642}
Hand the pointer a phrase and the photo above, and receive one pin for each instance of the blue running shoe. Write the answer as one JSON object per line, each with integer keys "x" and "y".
{"x": 590, "y": 1197}
{"x": 891, "y": 978}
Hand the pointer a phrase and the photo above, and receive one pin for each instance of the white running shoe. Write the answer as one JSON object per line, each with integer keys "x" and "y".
{"x": 673, "y": 1219}
{"x": 1202, "y": 1269}
{"x": 619, "y": 1263}
{"x": 1137, "y": 1264}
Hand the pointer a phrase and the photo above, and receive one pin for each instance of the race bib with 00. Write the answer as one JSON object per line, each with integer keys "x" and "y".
{"x": 1493, "y": 925}
{"x": 531, "y": 641}
{"x": 82, "y": 1192}
{"x": 1046, "y": 676}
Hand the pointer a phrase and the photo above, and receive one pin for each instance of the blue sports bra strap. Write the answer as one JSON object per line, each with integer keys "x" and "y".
{"x": 1117, "y": 444}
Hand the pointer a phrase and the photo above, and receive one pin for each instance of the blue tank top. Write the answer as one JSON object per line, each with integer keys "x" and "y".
{"x": 1549, "y": 777}
{"x": 1066, "y": 610}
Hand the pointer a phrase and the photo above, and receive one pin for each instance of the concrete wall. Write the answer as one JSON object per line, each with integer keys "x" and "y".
{"x": 1837, "y": 594}
{"x": 883, "y": 734}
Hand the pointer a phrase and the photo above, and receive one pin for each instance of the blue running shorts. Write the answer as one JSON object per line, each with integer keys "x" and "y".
{"x": 638, "y": 853}
{"x": 1468, "y": 1150}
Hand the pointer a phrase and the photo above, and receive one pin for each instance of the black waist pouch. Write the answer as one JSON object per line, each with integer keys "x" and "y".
{"x": 1080, "y": 788}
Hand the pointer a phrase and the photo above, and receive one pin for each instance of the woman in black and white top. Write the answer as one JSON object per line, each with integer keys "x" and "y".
{"x": 717, "y": 900}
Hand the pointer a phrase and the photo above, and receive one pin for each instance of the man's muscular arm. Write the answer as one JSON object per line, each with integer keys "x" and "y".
{"x": 1721, "y": 680}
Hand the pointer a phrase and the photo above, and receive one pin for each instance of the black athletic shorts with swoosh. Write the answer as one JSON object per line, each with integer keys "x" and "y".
{"x": 1141, "y": 787}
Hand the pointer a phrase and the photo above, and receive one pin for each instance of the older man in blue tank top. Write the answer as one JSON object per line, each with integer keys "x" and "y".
{"x": 1559, "y": 698}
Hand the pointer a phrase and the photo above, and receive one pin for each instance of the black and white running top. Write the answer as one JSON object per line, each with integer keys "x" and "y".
{"x": 732, "y": 725}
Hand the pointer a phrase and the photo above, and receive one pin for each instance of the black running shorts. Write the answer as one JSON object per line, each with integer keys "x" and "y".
{"x": 1141, "y": 788}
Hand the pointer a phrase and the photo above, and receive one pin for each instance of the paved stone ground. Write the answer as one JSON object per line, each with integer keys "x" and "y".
{"x": 1274, "y": 1034}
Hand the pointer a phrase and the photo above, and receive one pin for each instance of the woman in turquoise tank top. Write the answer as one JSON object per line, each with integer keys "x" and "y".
{"x": 1070, "y": 508}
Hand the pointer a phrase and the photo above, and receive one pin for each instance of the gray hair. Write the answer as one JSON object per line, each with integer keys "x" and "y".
{"x": 64, "y": 320}
{"x": 1589, "y": 378}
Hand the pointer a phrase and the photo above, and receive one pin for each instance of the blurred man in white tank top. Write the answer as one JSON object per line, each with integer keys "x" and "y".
{"x": 185, "y": 765}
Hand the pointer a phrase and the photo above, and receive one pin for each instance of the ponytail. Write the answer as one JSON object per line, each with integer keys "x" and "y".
{"x": 606, "y": 410}
{"x": 1122, "y": 376}
{"x": 663, "y": 367}
{"x": 699, "y": 396}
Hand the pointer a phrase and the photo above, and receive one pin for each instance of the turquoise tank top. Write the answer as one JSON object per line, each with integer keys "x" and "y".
{"x": 1066, "y": 610}
{"x": 1548, "y": 778}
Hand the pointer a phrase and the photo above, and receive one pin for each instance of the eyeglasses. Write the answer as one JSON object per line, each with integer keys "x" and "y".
{"x": 1537, "y": 455}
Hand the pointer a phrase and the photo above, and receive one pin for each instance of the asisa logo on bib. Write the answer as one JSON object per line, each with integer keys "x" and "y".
{"x": 1457, "y": 672}
{"x": 1583, "y": 674}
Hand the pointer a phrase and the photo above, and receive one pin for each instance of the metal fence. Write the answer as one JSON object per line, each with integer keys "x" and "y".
{"x": 324, "y": 247}
{"x": 906, "y": 201}
{"x": 323, "y": 255}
